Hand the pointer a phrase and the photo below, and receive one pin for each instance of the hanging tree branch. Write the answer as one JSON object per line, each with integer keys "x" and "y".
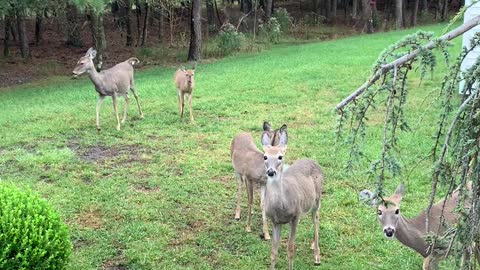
{"x": 407, "y": 58}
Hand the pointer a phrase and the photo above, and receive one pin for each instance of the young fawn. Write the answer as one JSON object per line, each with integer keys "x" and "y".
{"x": 113, "y": 82}
{"x": 289, "y": 194}
{"x": 411, "y": 232}
{"x": 185, "y": 84}
{"x": 247, "y": 163}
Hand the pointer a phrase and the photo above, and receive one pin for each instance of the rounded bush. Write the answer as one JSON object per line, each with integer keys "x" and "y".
{"x": 32, "y": 235}
{"x": 229, "y": 40}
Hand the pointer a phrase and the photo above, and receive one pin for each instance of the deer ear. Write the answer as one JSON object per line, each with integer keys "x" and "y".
{"x": 400, "y": 191}
{"x": 91, "y": 53}
{"x": 366, "y": 196}
{"x": 266, "y": 126}
{"x": 283, "y": 136}
{"x": 266, "y": 141}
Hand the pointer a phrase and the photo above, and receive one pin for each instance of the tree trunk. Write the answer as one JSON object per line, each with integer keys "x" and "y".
{"x": 195, "y": 31}
{"x": 211, "y": 14}
{"x": 160, "y": 24}
{"x": 268, "y": 5}
{"x": 128, "y": 23}
{"x": 415, "y": 12}
{"x": 355, "y": 9}
{"x": 398, "y": 14}
{"x": 444, "y": 10}
{"x": 145, "y": 26}
{"x": 367, "y": 16}
{"x": 98, "y": 35}
{"x": 22, "y": 34}
{"x": 73, "y": 27}
{"x": 138, "y": 12}
{"x": 424, "y": 6}
{"x": 8, "y": 24}
{"x": 38, "y": 29}
{"x": 334, "y": 10}
{"x": 328, "y": 10}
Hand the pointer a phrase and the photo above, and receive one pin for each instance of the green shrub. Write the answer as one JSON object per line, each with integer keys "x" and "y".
{"x": 284, "y": 19}
{"x": 229, "y": 40}
{"x": 313, "y": 18}
{"x": 270, "y": 30}
{"x": 32, "y": 236}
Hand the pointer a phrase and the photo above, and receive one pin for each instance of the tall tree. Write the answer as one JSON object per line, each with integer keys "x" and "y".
{"x": 268, "y": 7}
{"x": 194, "y": 52}
{"x": 145, "y": 25}
{"x": 398, "y": 14}
{"x": 128, "y": 23}
{"x": 6, "y": 48}
{"x": 98, "y": 36}
{"x": 211, "y": 13}
{"x": 22, "y": 32}
{"x": 73, "y": 26}
{"x": 415, "y": 12}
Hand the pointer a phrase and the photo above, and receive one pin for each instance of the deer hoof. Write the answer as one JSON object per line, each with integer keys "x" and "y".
{"x": 98, "y": 129}
{"x": 141, "y": 116}
{"x": 317, "y": 261}
{"x": 266, "y": 237}
{"x": 118, "y": 127}
{"x": 237, "y": 216}
{"x": 248, "y": 229}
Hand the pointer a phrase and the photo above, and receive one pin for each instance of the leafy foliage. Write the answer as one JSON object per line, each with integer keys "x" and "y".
{"x": 32, "y": 236}
{"x": 457, "y": 142}
{"x": 229, "y": 40}
{"x": 270, "y": 30}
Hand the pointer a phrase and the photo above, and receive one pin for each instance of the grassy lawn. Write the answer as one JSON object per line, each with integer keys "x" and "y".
{"x": 160, "y": 194}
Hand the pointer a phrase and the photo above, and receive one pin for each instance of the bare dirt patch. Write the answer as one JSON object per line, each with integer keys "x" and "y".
{"x": 121, "y": 154}
{"x": 144, "y": 188}
{"x": 91, "y": 218}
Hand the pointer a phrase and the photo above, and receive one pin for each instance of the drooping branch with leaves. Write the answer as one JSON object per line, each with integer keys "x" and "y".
{"x": 456, "y": 143}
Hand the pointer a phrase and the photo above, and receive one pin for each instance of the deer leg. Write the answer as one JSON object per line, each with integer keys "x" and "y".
{"x": 250, "y": 202}
{"x": 190, "y": 108}
{"x": 315, "y": 247}
{"x": 291, "y": 242}
{"x": 430, "y": 262}
{"x": 276, "y": 232}
{"x": 99, "y": 104}
{"x": 135, "y": 95}
{"x": 239, "y": 196}
{"x": 114, "y": 98}
{"x": 181, "y": 104}
{"x": 266, "y": 235}
{"x": 127, "y": 101}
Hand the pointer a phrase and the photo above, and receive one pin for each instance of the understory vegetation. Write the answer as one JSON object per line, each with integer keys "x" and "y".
{"x": 160, "y": 194}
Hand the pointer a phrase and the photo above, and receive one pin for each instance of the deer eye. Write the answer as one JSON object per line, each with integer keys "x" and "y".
{"x": 379, "y": 212}
{"x": 397, "y": 211}
{"x": 280, "y": 157}
{"x": 265, "y": 157}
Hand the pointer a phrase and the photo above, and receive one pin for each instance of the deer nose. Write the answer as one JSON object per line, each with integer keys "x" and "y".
{"x": 389, "y": 232}
{"x": 271, "y": 172}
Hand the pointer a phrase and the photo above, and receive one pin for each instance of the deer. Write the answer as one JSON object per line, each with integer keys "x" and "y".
{"x": 289, "y": 194}
{"x": 411, "y": 232}
{"x": 114, "y": 82}
{"x": 185, "y": 84}
{"x": 247, "y": 161}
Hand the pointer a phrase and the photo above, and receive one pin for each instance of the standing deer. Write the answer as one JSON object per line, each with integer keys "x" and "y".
{"x": 248, "y": 165}
{"x": 289, "y": 194}
{"x": 185, "y": 83}
{"x": 411, "y": 231}
{"x": 113, "y": 82}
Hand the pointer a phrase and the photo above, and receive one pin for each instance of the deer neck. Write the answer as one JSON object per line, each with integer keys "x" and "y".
{"x": 275, "y": 187}
{"x": 96, "y": 78}
{"x": 410, "y": 233}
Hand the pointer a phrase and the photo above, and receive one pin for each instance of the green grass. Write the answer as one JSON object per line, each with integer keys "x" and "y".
{"x": 160, "y": 194}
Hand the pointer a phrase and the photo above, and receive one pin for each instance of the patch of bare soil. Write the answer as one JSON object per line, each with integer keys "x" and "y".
{"x": 91, "y": 218}
{"x": 145, "y": 188}
{"x": 122, "y": 154}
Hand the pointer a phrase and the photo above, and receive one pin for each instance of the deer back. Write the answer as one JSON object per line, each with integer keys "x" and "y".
{"x": 301, "y": 186}
{"x": 246, "y": 158}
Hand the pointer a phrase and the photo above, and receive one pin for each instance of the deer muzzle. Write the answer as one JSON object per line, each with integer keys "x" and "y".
{"x": 389, "y": 232}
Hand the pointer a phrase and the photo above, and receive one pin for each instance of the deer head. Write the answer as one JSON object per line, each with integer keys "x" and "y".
{"x": 273, "y": 155}
{"x": 388, "y": 210}
{"x": 85, "y": 63}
